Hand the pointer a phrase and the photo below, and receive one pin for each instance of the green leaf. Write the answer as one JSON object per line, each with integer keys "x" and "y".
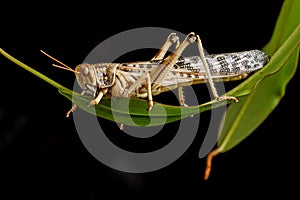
{"x": 244, "y": 117}
{"x": 268, "y": 85}
{"x": 136, "y": 114}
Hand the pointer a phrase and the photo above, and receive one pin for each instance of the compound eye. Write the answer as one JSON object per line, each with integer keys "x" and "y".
{"x": 85, "y": 70}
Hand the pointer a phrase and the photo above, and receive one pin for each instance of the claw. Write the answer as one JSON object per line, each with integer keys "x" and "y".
{"x": 92, "y": 103}
{"x": 74, "y": 107}
{"x": 150, "y": 105}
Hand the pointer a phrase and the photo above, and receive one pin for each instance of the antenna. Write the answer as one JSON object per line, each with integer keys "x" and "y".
{"x": 64, "y": 66}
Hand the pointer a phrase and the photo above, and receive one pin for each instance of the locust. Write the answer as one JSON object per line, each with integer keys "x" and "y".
{"x": 145, "y": 79}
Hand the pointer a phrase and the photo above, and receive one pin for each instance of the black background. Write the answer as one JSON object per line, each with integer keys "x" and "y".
{"x": 41, "y": 154}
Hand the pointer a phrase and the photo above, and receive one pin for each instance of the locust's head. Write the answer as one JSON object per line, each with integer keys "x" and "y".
{"x": 94, "y": 77}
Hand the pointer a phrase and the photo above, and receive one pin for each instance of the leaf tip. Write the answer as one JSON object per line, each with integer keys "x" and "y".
{"x": 209, "y": 162}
